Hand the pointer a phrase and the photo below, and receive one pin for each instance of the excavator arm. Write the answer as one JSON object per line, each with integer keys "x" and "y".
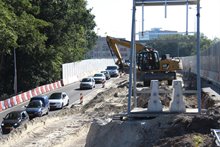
{"x": 113, "y": 45}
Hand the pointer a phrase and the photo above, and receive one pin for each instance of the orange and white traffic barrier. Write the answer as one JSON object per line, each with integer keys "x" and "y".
{"x": 0, "y": 107}
{"x": 103, "y": 84}
{"x": 81, "y": 99}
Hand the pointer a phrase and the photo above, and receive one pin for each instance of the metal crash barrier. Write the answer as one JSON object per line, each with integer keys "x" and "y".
{"x": 216, "y": 135}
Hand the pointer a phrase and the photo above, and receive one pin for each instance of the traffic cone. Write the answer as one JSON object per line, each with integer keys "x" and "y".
{"x": 103, "y": 84}
{"x": 81, "y": 99}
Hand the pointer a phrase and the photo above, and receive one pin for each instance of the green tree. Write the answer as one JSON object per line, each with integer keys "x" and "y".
{"x": 179, "y": 45}
{"x": 45, "y": 34}
{"x": 71, "y": 33}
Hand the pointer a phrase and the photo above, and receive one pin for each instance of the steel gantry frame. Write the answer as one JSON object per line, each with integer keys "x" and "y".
{"x": 132, "y": 69}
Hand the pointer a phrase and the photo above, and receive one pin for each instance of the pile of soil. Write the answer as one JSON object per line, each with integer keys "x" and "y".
{"x": 165, "y": 130}
{"x": 162, "y": 130}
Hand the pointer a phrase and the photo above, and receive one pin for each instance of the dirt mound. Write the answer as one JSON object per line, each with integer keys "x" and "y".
{"x": 164, "y": 130}
{"x": 188, "y": 140}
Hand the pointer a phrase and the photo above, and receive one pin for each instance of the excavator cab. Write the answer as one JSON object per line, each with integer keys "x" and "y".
{"x": 148, "y": 60}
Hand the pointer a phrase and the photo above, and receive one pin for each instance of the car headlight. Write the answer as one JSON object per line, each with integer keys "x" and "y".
{"x": 16, "y": 124}
{"x": 2, "y": 124}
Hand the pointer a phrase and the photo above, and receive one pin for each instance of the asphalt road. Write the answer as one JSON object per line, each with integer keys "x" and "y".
{"x": 72, "y": 91}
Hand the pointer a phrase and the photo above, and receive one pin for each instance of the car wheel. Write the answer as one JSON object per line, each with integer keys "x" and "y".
{"x": 169, "y": 82}
{"x": 61, "y": 106}
{"x": 68, "y": 102}
{"x": 41, "y": 114}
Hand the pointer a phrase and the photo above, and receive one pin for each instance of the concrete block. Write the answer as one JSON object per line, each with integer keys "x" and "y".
{"x": 177, "y": 103}
{"x": 154, "y": 103}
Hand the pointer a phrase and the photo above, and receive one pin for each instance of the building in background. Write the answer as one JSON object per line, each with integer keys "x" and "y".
{"x": 101, "y": 50}
{"x": 155, "y": 33}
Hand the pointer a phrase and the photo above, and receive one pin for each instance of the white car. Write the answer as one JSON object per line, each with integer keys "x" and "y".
{"x": 87, "y": 83}
{"x": 113, "y": 71}
{"x": 99, "y": 77}
{"x": 58, "y": 100}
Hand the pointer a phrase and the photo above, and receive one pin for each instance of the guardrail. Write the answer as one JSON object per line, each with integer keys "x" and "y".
{"x": 25, "y": 96}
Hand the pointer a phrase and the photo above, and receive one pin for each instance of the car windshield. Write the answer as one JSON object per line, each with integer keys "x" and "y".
{"x": 35, "y": 104}
{"x": 86, "y": 80}
{"x": 55, "y": 96}
{"x": 111, "y": 67}
{"x": 12, "y": 115}
{"x": 98, "y": 75}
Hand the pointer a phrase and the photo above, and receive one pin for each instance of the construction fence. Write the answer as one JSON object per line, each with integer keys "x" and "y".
{"x": 210, "y": 64}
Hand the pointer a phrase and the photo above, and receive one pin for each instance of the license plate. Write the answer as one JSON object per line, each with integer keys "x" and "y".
{"x": 8, "y": 127}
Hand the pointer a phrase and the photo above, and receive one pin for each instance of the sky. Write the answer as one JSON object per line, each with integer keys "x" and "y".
{"x": 114, "y": 17}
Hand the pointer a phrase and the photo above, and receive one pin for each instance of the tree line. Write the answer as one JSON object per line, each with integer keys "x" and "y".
{"x": 180, "y": 45}
{"x": 44, "y": 34}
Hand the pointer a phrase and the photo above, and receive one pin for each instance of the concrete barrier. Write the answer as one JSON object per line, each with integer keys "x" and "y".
{"x": 72, "y": 72}
{"x": 177, "y": 103}
{"x": 154, "y": 103}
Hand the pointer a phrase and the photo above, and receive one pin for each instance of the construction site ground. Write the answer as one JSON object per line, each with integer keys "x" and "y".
{"x": 91, "y": 124}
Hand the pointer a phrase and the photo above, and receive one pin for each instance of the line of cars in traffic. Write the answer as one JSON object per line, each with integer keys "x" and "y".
{"x": 37, "y": 107}
{"x": 41, "y": 105}
{"x": 101, "y": 77}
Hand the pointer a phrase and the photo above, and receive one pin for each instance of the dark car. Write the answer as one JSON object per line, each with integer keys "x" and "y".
{"x": 38, "y": 106}
{"x": 13, "y": 120}
{"x": 35, "y": 108}
{"x": 107, "y": 75}
{"x": 43, "y": 98}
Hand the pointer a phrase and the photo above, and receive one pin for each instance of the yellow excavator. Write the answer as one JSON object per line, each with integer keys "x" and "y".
{"x": 149, "y": 64}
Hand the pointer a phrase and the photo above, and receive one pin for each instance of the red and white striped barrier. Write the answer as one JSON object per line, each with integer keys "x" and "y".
{"x": 18, "y": 99}
{"x": 29, "y": 94}
{"x": 43, "y": 89}
{"x": 0, "y": 107}
{"x": 51, "y": 86}
{"x": 47, "y": 88}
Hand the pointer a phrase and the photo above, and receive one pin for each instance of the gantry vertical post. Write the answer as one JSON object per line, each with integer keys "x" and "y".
{"x": 131, "y": 57}
{"x": 198, "y": 57}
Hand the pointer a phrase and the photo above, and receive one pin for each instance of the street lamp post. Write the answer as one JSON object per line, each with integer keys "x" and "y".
{"x": 15, "y": 73}
{"x": 187, "y": 16}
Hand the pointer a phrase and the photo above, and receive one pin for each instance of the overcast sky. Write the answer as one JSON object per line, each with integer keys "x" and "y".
{"x": 113, "y": 18}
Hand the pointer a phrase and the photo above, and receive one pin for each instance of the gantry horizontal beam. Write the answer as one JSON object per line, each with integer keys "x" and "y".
{"x": 163, "y": 2}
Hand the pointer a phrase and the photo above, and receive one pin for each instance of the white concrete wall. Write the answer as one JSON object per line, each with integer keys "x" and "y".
{"x": 72, "y": 72}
